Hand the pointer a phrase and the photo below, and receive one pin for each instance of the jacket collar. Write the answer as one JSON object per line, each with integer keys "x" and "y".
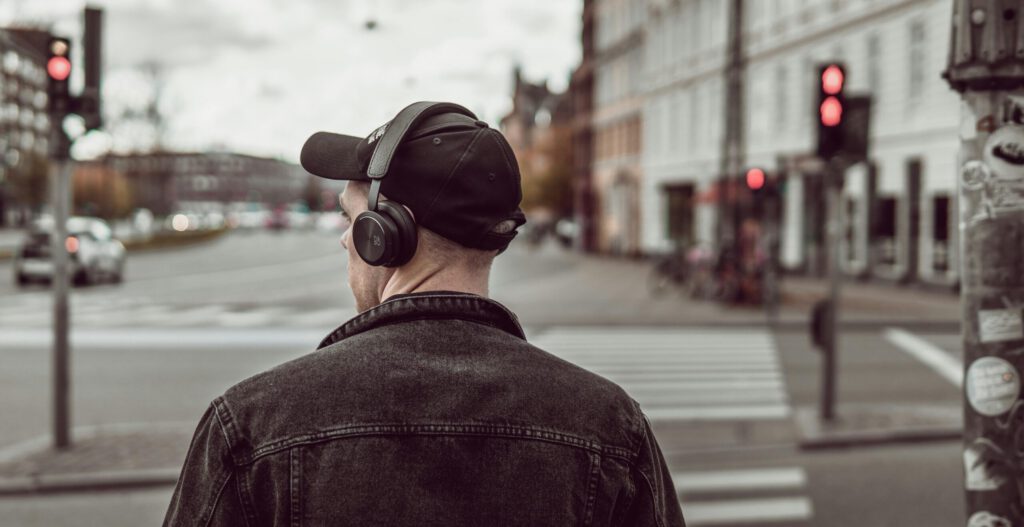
{"x": 432, "y": 304}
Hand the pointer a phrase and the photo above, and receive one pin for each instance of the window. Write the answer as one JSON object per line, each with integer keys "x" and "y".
{"x": 850, "y": 230}
{"x": 915, "y": 69}
{"x": 885, "y": 229}
{"x": 940, "y": 232}
{"x": 679, "y": 214}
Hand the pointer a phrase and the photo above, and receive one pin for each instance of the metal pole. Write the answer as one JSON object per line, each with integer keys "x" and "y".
{"x": 828, "y": 374}
{"x": 770, "y": 284}
{"x": 989, "y": 75}
{"x": 61, "y": 349}
{"x": 733, "y": 148}
{"x": 992, "y": 296}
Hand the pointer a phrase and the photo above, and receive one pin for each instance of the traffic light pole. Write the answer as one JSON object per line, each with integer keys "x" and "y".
{"x": 990, "y": 78}
{"x": 61, "y": 178}
{"x": 833, "y": 186}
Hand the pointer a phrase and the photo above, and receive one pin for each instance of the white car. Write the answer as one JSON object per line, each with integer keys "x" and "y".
{"x": 94, "y": 253}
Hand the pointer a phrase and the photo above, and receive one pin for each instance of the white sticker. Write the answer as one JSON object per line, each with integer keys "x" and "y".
{"x": 996, "y": 325}
{"x": 987, "y": 519}
{"x": 993, "y": 385}
{"x": 980, "y": 464}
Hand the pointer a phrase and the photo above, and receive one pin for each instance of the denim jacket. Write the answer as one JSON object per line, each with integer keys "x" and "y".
{"x": 429, "y": 409}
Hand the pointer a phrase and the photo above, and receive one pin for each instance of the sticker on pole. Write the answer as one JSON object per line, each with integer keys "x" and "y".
{"x": 997, "y": 325}
{"x": 993, "y": 385}
{"x": 987, "y": 519}
{"x": 983, "y": 466}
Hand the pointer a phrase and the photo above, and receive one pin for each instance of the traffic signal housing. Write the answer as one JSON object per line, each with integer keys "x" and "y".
{"x": 831, "y": 109}
{"x": 58, "y": 72}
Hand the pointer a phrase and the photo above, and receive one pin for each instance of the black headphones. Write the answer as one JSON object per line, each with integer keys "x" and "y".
{"x": 385, "y": 235}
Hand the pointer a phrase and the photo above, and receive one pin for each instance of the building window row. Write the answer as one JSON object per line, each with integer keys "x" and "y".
{"x": 618, "y": 139}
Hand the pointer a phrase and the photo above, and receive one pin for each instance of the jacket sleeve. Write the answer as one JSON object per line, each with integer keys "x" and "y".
{"x": 207, "y": 493}
{"x": 655, "y": 503}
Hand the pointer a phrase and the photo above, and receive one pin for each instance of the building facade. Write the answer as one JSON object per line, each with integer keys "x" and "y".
{"x": 899, "y": 210}
{"x": 168, "y": 182}
{"x": 616, "y": 124}
{"x": 24, "y": 122}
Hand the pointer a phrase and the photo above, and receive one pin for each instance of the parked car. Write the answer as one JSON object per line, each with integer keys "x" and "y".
{"x": 278, "y": 219}
{"x": 94, "y": 254}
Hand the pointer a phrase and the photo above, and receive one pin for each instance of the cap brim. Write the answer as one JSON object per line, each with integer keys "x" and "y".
{"x": 332, "y": 156}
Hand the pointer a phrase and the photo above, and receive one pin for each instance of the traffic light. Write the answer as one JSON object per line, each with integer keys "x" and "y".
{"x": 831, "y": 109}
{"x": 755, "y": 180}
{"x": 58, "y": 71}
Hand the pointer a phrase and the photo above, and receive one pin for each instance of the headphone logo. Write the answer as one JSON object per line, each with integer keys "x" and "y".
{"x": 377, "y": 134}
{"x": 376, "y": 241}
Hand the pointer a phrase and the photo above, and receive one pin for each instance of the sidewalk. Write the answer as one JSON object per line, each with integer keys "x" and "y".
{"x": 114, "y": 456}
{"x": 618, "y": 287}
{"x": 862, "y": 302}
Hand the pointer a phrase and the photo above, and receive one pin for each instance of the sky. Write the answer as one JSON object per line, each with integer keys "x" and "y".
{"x": 260, "y": 76}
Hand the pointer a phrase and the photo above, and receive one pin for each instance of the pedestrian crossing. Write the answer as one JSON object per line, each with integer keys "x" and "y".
{"x": 692, "y": 376}
{"x": 36, "y": 312}
{"x": 681, "y": 374}
{"x": 744, "y": 497}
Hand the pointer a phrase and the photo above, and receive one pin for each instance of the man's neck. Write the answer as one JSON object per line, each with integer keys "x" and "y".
{"x": 411, "y": 280}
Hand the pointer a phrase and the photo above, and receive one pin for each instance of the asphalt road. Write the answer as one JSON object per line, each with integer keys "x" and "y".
{"x": 721, "y": 388}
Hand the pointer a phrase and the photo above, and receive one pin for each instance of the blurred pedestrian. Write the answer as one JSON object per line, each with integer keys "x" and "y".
{"x": 428, "y": 407}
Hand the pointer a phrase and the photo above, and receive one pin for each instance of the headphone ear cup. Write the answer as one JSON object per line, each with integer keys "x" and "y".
{"x": 376, "y": 238}
{"x": 405, "y": 232}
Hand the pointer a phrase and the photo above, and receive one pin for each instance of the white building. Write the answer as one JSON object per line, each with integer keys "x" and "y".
{"x": 894, "y": 50}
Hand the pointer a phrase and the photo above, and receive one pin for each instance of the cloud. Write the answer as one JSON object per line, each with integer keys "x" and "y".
{"x": 259, "y": 76}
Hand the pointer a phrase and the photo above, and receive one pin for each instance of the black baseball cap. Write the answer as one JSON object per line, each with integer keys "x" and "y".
{"x": 457, "y": 175}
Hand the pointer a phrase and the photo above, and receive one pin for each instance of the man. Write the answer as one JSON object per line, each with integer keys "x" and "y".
{"x": 429, "y": 407}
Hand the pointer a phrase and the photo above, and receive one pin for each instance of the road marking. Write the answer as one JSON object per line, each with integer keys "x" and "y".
{"x": 703, "y": 397}
{"x": 740, "y": 480}
{"x": 751, "y": 510}
{"x": 703, "y": 385}
{"x": 257, "y": 317}
{"x": 718, "y": 413}
{"x": 214, "y": 339}
{"x": 654, "y": 376}
{"x": 934, "y": 357}
{"x": 681, "y": 374}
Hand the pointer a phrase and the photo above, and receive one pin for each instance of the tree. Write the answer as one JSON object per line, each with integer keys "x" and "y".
{"x": 550, "y": 186}
{"x": 30, "y": 180}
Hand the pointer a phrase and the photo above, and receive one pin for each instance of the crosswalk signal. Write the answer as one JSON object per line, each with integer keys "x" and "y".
{"x": 831, "y": 107}
{"x": 58, "y": 72}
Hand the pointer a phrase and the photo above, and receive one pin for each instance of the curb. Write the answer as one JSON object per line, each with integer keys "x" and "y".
{"x": 88, "y": 481}
{"x": 881, "y": 437}
{"x": 871, "y": 425}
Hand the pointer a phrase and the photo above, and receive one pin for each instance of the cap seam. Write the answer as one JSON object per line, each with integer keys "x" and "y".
{"x": 465, "y": 153}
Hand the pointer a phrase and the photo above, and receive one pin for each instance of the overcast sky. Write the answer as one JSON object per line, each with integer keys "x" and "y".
{"x": 259, "y": 76}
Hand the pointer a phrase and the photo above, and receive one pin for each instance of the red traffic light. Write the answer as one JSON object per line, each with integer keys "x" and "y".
{"x": 755, "y": 179}
{"x": 832, "y": 79}
{"x": 831, "y": 112}
{"x": 59, "y": 68}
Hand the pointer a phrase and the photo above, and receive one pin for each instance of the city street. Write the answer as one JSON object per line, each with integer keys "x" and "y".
{"x": 723, "y": 389}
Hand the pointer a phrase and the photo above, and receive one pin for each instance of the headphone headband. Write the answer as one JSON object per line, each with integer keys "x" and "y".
{"x": 399, "y": 128}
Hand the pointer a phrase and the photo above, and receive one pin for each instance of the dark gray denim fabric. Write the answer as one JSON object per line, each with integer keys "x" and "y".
{"x": 430, "y": 409}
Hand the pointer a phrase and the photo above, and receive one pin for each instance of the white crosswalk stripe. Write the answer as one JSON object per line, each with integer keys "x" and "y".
{"x": 750, "y": 496}
{"x": 88, "y": 312}
{"x": 681, "y": 374}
